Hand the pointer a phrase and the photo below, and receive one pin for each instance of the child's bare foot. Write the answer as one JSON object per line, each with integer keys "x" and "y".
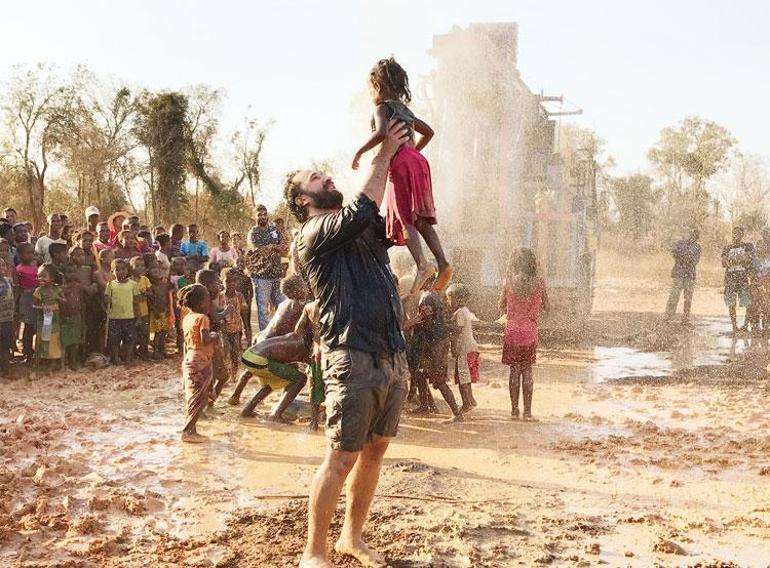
{"x": 466, "y": 409}
{"x": 529, "y": 418}
{"x": 423, "y": 274}
{"x": 444, "y": 277}
{"x": 193, "y": 438}
{"x": 279, "y": 419}
{"x": 234, "y": 401}
{"x": 360, "y": 552}
{"x": 419, "y": 410}
{"x": 515, "y": 415}
{"x": 248, "y": 414}
{"x": 315, "y": 562}
{"x": 456, "y": 418}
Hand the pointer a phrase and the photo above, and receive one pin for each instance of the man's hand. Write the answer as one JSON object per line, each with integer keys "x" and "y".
{"x": 398, "y": 134}
{"x": 356, "y": 160}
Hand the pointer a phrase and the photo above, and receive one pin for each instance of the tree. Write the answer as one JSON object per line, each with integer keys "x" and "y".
{"x": 745, "y": 187}
{"x": 635, "y": 200}
{"x": 36, "y": 108}
{"x": 97, "y": 146}
{"x": 247, "y": 144}
{"x": 162, "y": 129}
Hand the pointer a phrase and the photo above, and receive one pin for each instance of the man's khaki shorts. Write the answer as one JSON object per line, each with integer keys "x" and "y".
{"x": 364, "y": 396}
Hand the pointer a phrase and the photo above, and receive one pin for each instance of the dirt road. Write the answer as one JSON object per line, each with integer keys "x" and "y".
{"x": 642, "y": 456}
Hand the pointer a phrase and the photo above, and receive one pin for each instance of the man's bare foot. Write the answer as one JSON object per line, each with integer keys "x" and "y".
{"x": 422, "y": 276}
{"x": 233, "y": 401}
{"x": 444, "y": 278}
{"x": 315, "y": 562}
{"x": 193, "y": 438}
{"x": 360, "y": 552}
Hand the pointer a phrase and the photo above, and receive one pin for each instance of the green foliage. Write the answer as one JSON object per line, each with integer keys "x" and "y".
{"x": 635, "y": 200}
{"x": 162, "y": 129}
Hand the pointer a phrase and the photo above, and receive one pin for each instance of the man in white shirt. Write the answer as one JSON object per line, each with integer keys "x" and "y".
{"x": 53, "y": 236}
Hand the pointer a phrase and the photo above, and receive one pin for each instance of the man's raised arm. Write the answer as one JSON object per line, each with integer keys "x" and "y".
{"x": 374, "y": 186}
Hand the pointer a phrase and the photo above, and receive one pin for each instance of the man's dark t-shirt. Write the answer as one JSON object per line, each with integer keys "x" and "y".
{"x": 686, "y": 256}
{"x": 739, "y": 259}
{"x": 343, "y": 256}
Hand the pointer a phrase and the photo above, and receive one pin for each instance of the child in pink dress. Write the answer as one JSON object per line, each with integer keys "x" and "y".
{"x": 411, "y": 212}
{"x": 522, "y": 297}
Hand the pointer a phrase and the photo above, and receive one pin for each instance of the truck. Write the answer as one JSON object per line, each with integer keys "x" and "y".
{"x": 502, "y": 176}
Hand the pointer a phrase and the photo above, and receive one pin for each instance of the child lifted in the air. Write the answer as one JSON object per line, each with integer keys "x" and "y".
{"x": 411, "y": 212}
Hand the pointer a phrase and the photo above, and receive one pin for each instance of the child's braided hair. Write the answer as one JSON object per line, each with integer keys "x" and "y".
{"x": 192, "y": 296}
{"x": 392, "y": 79}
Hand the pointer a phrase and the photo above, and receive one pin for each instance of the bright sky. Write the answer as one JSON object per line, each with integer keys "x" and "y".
{"x": 634, "y": 67}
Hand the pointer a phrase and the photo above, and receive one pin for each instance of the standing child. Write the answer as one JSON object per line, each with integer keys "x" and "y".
{"x": 197, "y": 369}
{"x": 411, "y": 212}
{"x": 522, "y": 298}
{"x": 161, "y": 255}
{"x": 245, "y": 287}
{"x": 465, "y": 350}
{"x": 26, "y": 273}
{"x": 93, "y": 313}
{"x": 232, "y": 325}
{"x": 194, "y": 249}
{"x": 179, "y": 279}
{"x": 224, "y": 255}
{"x": 71, "y": 311}
{"x": 122, "y": 303}
{"x": 217, "y": 313}
{"x": 431, "y": 337}
{"x": 159, "y": 303}
{"x": 138, "y": 275}
{"x": 45, "y": 299}
{"x": 6, "y": 319}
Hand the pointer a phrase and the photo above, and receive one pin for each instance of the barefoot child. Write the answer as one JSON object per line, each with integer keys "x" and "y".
{"x": 217, "y": 313}
{"x": 284, "y": 321}
{"x": 122, "y": 304}
{"x": 26, "y": 273}
{"x": 159, "y": 304}
{"x": 7, "y": 303}
{"x": 465, "y": 350}
{"x": 273, "y": 362}
{"x": 45, "y": 299}
{"x": 232, "y": 325}
{"x": 431, "y": 336}
{"x": 199, "y": 343}
{"x": 411, "y": 212}
{"x": 139, "y": 276}
{"x": 93, "y": 312}
{"x": 71, "y": 307}
{"x": 522, "y": 298}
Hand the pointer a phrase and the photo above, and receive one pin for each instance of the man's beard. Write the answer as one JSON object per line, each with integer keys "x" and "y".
{"x": 327, "y": 200}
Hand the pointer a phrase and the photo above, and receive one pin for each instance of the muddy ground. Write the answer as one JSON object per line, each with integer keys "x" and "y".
{"x": 653, "y": 448}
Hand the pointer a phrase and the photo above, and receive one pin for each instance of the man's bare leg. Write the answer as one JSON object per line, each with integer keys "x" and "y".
{"x": 359, "y": 494}
{"x": 324, "y": 493}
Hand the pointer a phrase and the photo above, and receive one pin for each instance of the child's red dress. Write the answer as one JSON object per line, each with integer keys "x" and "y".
{"x": 522, "y": 317}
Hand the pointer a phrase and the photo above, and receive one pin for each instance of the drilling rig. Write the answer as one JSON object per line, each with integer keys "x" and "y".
{"x": 500, "y": 180}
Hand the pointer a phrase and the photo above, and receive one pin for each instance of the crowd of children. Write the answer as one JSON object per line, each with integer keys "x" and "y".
{"x": 117, "y": 291}
{"x": 108, "y": 292}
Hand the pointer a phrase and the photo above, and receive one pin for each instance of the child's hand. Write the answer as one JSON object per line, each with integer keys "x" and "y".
{"x": 356, "y": 160}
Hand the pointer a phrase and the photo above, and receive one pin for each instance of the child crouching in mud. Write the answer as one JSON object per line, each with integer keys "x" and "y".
{"x": 197, "y": 369}
{"x": 270, "y": 361}
{"x": 431, "y": 345}
{"x": 522, "y": 298}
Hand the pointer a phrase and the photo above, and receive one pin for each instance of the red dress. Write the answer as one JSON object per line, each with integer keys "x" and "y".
{"x": 409, "y": 195}
{"x": 522, "y": 317}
